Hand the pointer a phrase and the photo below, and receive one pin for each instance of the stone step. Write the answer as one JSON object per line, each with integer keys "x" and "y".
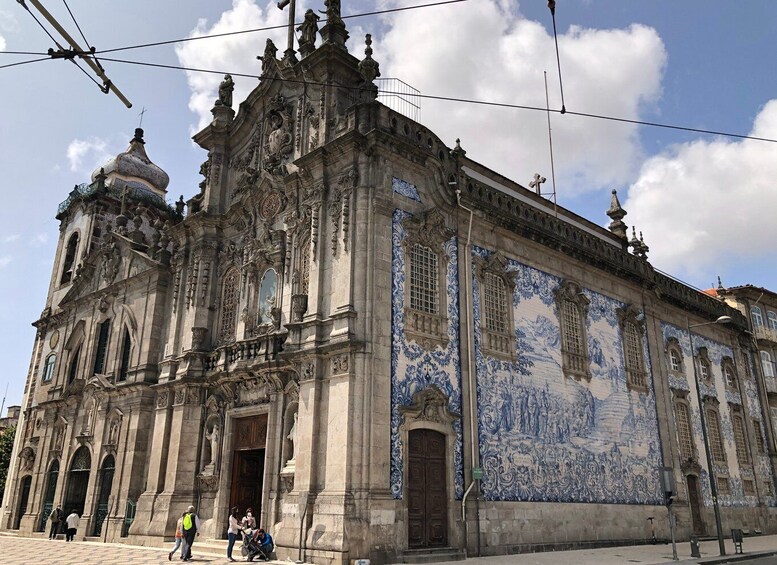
{"x": 433, "y": 555}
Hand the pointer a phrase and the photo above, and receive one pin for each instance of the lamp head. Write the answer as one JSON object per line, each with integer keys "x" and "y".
{"x": 723, "y": 320}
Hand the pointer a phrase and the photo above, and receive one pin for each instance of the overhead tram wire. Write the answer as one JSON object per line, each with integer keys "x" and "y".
{"x": 80, "y": 68}
{"x": 46, "y": 58}
{"x": 270, "y": 28}
{"x": 91, "y": 48}
{"x": 454, "y": 99}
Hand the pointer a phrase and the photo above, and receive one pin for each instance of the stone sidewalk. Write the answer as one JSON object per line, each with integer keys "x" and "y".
{"x": 34, "y": 551}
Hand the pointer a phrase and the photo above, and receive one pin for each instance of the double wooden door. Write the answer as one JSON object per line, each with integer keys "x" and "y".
{"x": 427, "y": 490}
{"x": 248, "y": 464}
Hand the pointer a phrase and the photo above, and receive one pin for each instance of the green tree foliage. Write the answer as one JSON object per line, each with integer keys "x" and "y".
{"x": 6, "y": 445}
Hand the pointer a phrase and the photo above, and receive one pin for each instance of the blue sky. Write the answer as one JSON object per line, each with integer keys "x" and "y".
{"x": 707, "y": 205}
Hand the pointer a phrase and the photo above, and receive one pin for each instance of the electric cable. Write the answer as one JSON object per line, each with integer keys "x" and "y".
{"x": 455, "y": 99}
{"x": 47, "y": 58}
{"x": 89, "y": 45}
{"x": 552, "y": 8}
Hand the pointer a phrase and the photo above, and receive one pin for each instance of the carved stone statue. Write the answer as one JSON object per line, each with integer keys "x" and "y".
{"x": 292, "y": 437}
{"x": 309, "y": 30}
{"x": 113, "y": 433}
{"x": 213, "y": 436}
{"x": 179, "y": 206}
{"x": 226, "y": 88}
{"x": 333, "y": 12}
{"x": 270, "y": 52}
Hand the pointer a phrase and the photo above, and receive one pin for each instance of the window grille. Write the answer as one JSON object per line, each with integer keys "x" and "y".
{"x": 229, "y": 302}
{"x": 716, "y": 441}
{"x": 704, "y": 370}
{"x": 632, "y": 353}
{"x": 739, "y": 439}
{"x": 723, "y": 486}
{"x": 494, "y": 305}
{"x": 759, "y": 437}
{"x": 684, "y": 431}
{"x": 423, "y": 279}
{"x": 572, "y": 328}
{"x": 304, "y": 278}
{"x": 749, "y": 487}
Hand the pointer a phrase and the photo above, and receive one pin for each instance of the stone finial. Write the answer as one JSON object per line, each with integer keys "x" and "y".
{"x": 458, "y": 150}
{"x": 634, "y": 242}
{"x": 720, "y": 285}
{"x": 616, "y": 214}
{"x": 536, "y": 183}
{"x": 643, "y": 248}
{"x": 368, "y": 67}
{"x": 138, "y": 136}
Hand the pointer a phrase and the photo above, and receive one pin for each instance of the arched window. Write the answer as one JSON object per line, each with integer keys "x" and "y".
{"x": 103, "y": 333}
{"x": 740, "y": 442}
{"x": 267, "y": 293}
{"x": 126, "y": 345}
{"x": 572, "y": 307}
{"x": 716, "y": 439}
{"x": 675, "y": 360}
{"x": 70, "y": 259}
{"x": 703, "y": 362}
{"x": 230, "y": 296}
{"x": 729, "y": 375}
{"x": 684, "y": 431}
{"x": 73, "y": 369}
{"x": 766, "y": 363}
{"x": 48, "y": 368}
{"x": 755, "y": 313}
{"x": 772, "y": 317}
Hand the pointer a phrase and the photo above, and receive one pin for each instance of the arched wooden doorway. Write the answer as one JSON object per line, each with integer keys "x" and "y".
{"x": 427, "y": 492}
{"x": 48, "y": 497}
{"x": 78, "y": 481}
{"x": 693, "y": 501}
{"x": 106, "y": 481}
{"x": 24, "y": 496}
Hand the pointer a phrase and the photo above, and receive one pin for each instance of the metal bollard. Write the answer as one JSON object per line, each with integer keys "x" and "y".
{"x": 695, "y": 547}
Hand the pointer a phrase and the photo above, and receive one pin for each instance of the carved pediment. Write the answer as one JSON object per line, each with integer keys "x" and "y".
{"x": 431, "y": 405}
{"x": 252, "y": 391}
{"x": 428, "y": 229}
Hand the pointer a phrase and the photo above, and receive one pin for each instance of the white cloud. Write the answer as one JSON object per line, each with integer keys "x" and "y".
{"x": 87, "y": 152}
{"x": 706, "y": 204}
{"x": 11, "y": 238}
{"x": 487, "y": 51}
{"x": 5, "y": 260}
{"x": 39, "y": 239}
{"x": 233, "y": 54}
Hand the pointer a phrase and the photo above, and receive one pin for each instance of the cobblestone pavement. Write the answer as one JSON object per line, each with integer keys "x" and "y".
{"x": 33, "y": 551}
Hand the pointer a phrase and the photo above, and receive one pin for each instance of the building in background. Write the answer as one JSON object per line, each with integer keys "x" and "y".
{"x": 380, "y": 345}
{"x": 11, "y": 417}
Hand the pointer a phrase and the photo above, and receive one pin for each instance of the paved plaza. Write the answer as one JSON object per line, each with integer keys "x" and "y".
{"x": 35, "y": 551}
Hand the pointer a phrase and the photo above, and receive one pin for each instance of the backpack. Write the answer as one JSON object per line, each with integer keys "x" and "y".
{"x": 188, "y": 523}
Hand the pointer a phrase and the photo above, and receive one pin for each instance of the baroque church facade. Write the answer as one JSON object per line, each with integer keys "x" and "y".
{"x": 377, "y": 343}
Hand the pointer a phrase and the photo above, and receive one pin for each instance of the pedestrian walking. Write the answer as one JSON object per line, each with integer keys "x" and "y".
{"x": 232, "y": 531}
{"x": 72, "y": 525}
{"x": 178, "y": 536}
{"x": 191, "y": 529}
{"x": 55, "y": 518}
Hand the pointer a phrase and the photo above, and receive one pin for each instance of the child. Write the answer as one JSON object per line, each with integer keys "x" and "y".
{"x": 178, "y": 536}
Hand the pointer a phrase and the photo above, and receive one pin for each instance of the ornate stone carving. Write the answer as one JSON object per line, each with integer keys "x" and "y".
{"x": 307, "y": 371}
{"x": 27, "y": 456}
{"x": 208, "y": 483}
{"x": 254, "y": 391}
{"x": 111, "y": 261}
{"x": 279, "y": 140}
{"x": 430, "y": 405}
{"x": 198, "y": 337}
{"x": 162, "y": 399}
{"x": 299, "y": 305}
{"x": 180, "y": 397}
{"x": 340, "y": 364}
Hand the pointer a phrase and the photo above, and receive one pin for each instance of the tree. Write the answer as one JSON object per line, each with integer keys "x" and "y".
{"x": 6, "y": 446}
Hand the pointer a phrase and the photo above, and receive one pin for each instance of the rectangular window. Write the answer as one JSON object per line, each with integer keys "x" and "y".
{"x": 494, "y": 314}
{"x": 758, "y": 319}
{"x": 716, "y": 440}
{"x": 684, "y": 431}
{"x": 102, "y": 347}
{"x": 759, "y": 437}
{"x": 749, "y": 487}
{"x": 632, "y": 354}
{"x": 423, "y": 279}
{"x": 739, "y": 439}
{"x": 572, "y": 334}
{"x": 723, "y": 487}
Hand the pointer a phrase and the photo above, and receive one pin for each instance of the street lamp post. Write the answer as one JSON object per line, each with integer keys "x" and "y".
{"x": 710, "y": 470}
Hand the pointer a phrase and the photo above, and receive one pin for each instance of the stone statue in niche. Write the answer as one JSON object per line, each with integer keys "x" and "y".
{"x": 213, "y": 436}
{"x": 293, "y": 447}
{"x": 113, "y": 433}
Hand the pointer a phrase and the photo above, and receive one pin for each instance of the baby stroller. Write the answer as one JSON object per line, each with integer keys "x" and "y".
{"x": 252, "y": 547}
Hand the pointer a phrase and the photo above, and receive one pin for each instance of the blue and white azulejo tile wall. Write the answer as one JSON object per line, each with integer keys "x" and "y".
{"x": 414, "y": 368}
{"x": 544, "y": 437}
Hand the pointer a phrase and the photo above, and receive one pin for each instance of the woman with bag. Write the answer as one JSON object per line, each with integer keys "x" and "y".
{"x": 232, "y": 531}
{"x": 178, "y": 536}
